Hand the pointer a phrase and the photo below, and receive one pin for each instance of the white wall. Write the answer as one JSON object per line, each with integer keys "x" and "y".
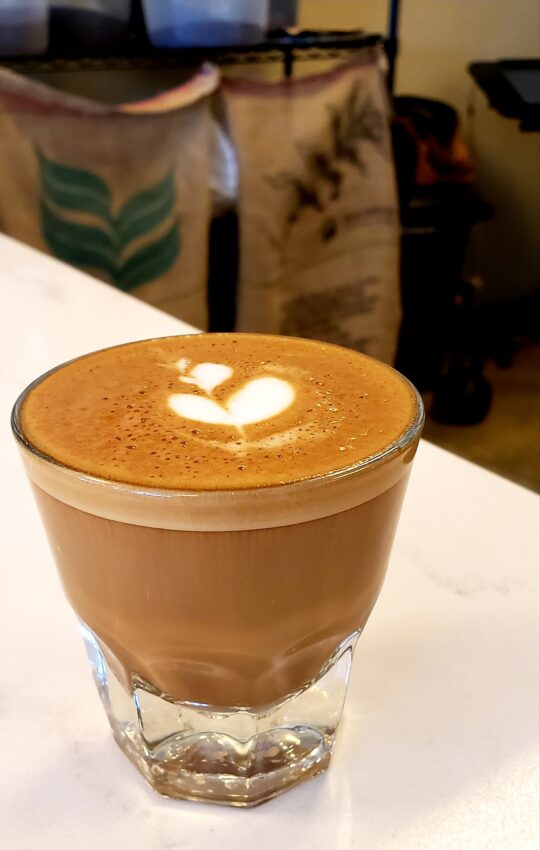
{"x": 438, "y": 39}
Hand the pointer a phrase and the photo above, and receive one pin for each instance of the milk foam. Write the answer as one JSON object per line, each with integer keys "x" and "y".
{"x": 237, "y": 510}
{"x": 256, "y": 401}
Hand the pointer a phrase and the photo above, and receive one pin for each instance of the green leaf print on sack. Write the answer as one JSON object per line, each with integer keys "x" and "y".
{"x": 79, "y": 225}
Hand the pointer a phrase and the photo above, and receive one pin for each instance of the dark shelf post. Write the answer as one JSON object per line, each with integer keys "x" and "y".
{"x": 288, "y": 59}
{"x": 392, "y": 42}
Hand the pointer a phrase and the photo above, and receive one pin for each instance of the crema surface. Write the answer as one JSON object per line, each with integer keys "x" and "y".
{"x": 217, "y": 411}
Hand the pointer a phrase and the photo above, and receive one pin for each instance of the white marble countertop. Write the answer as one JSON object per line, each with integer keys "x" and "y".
{"x": 439, "y": 745}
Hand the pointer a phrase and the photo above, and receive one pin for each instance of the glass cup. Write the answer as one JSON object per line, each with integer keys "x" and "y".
{"x": 23, "y": 27}
{"x": 220, "y": 625}
{"x": 205, "y": 23}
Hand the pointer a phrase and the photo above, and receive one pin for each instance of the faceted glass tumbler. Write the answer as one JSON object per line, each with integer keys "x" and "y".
{"x": 240, "y": 756}
{"x": 220, "y": 625}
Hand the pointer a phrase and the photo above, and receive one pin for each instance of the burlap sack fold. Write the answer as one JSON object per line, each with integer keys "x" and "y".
{"x": 318, "y": 206}
{"x": 121, "y": 191}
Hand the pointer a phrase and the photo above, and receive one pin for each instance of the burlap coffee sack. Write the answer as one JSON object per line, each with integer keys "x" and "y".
{"x": 122, "y": 192}
{"x": 318, "y": 206}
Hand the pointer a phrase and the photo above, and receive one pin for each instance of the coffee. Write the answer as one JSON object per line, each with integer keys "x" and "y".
{"x": 221, "y": 509}
{"x": 224, "y": 618}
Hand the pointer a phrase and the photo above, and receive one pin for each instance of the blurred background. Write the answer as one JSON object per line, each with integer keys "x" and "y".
{"x": 391, "y": 204}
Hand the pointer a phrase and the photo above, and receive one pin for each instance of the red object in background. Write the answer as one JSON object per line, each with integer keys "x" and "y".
{"x": 434, "y": 130}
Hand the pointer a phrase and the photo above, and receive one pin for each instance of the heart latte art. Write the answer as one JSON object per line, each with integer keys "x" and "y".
{"x": 257, "y": 400}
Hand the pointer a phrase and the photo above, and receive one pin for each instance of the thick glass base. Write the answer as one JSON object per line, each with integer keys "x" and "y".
{"x": 234, "y": 756}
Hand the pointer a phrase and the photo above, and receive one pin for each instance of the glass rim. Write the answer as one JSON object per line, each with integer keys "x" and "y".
{"x": 394, "y": 448}
{"x": 377, "y": 458}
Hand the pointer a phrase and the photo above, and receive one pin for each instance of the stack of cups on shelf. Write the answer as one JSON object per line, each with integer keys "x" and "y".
{"x": 24, "y": 26}
{"x": 31, "y": 26}
{"x": 205, "y": 23}
{"x": 83, "y": 24}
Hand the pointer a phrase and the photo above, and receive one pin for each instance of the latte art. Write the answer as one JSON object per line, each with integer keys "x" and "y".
{"x": 258, "y": 400}
{"x": 218, "y": 411}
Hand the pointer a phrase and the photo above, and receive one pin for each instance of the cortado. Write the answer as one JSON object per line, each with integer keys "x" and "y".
{"x": 221, "y": 508}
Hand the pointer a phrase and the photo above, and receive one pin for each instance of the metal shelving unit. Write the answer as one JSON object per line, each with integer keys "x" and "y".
{"x": 287, "y": 49}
